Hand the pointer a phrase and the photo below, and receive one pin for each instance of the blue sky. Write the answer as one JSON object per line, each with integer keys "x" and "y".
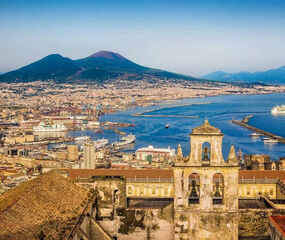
{"x": 193, "y": 37}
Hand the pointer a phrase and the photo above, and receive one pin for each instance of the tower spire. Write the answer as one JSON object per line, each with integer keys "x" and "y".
{"x": 179, "y": 155}
{"x": 232, "y": 155}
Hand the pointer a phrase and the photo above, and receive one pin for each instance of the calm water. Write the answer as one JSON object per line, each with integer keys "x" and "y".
{"x": 219, "y": 110}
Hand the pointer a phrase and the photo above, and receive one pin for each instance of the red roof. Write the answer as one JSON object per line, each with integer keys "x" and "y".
{"x": 262, "y": 174}
{"x": 156, "y": 173}
{"x": 279, "y": 222}
{"x": 127, "y": 173}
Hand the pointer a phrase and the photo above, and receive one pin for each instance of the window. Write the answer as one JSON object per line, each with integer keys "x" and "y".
{"x": 130, "y": 190}
{"x": 218, "y": 188}
{"x": 248, "y": 192}
{"x": 194, "y": 189}
{"x": 206, "y": 153}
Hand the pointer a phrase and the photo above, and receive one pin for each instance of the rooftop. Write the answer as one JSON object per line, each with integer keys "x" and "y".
{"x": 132, "y": 173}
{"x": 159, "y": 173}
{"x": 48, "y": 205}
{"x": 279, "y": 222}
{"x": 262, "y": 174}
{"x": 253, "y": 204}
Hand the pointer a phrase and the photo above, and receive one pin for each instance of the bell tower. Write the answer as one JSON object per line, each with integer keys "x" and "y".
{"x": 206, "y": 188}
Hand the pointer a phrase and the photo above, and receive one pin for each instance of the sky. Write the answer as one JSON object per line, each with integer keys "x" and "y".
{"x": 192, "y": 37}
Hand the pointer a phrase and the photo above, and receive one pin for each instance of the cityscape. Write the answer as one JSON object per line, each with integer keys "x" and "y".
{"x": 97, "y": 146}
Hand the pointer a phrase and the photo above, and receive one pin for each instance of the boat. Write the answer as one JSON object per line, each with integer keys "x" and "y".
{"x": 81, "y": 138}
{"x": 59, "y": 146}
{"x": 46, "y": 127}
{"x": 101, "y": 143}
{"x": 255, "y": 134}
{"x": 125, "y": 140}
{"x": 269, "y": 140}
{"x": 278, "y": 110}
{"x": 167, "y": 125}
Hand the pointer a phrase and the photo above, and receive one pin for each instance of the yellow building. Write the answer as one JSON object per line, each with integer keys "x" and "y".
{"x": 72, "y": 152}
{"x": 18, "y": 139}
{"x": 61, "y": 155}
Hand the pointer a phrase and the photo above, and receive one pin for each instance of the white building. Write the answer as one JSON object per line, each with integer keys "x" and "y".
{"x": 151, "y": 153}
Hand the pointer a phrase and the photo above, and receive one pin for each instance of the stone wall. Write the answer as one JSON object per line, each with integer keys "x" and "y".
{"x": 206, "y": 225}
{"x": 141, "y": 224}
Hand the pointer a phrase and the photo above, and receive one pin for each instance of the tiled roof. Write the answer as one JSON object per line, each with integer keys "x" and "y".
{"x": 130, "y": 173}
{"x": 49, "y": 204}
{"x": 279, "y": 222}
{"x": 262, "y": 174}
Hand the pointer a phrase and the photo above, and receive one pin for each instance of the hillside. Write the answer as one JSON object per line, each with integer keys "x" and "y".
{"x": 98, "y": 67}
{"x": 48, "y": 205}
{"x": 50, "y": 67}
{"x": 273, "y": 76}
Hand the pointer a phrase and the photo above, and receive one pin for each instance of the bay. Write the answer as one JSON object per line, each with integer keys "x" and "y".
{"x": 219, "y": 110}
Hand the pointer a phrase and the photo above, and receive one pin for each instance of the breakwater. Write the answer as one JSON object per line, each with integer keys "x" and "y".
{"x": 145, "y": 113}
{"x": 258, "y": 130}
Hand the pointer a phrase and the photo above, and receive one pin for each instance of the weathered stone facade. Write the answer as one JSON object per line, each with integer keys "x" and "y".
{"x": 206, "y": 189}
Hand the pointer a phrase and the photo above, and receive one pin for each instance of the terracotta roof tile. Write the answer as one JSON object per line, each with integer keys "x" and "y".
{"x": 262, "y": 174}
{"x": 130, "y": 173}
{"x": 279, "y": 222}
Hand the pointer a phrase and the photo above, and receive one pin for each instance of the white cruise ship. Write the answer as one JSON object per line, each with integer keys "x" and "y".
{"x": 269, "y": 140}
{"x": 81, "y": 138}
{"x": 45, "y": 127}
{"x": 101, "y": 143}
{"x": 278, "y": 110}
{"x": 125, "y": 140}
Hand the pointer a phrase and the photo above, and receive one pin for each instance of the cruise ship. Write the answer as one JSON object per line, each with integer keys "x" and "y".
{"x": 81, "y": 138}
{"x": 125, "y": 140}
{"x": 45, "y": 127}
{"x": 255, "y": 134}
{"x": 269, "y": 140}
{"x": 101, "y": 143}
{"x": 278, "y": 110}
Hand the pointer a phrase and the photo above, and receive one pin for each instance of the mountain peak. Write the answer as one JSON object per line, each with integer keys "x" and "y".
{"x": 53, "y": 56}
{"x": 108, "y": 55}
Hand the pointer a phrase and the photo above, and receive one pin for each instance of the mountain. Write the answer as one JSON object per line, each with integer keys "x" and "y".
{"x": 97, "y": 67}
{"x": 273, "y": 76}
{"x": 109, "y": 61}
{"x": 53, "y": 66}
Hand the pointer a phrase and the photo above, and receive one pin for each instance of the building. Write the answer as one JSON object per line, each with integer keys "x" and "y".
{"x": 206, "y": 189}
{"x": 19, "y": 139}
{"x": 256, "y": 183}
{"x": 277, "y": 227}
{"x": 257, "y": 162}
{"x": 72, "y": 152}
{"x": 197, "y": 199}
{"x": 89, "y": 155}
{"x": 156, "y": 156}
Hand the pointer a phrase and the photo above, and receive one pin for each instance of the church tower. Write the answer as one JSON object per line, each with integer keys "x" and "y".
{"x": 206, "y": 189}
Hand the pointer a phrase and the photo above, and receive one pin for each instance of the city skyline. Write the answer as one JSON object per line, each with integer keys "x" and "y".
{"x": 185, "y": 37}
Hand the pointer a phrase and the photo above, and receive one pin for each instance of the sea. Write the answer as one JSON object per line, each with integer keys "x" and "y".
{"x": 185, "y": 114}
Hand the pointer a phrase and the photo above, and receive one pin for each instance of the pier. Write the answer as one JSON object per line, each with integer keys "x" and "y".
{"x": 144, "y": 114}
{"x": 178, "y": 116}
{"x": 244, "y": 124}
{"x": 116, "y": 130}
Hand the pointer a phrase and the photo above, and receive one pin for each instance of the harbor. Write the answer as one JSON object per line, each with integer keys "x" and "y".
{"x": 146, "y": 113}
{"x": 244, "y": 124}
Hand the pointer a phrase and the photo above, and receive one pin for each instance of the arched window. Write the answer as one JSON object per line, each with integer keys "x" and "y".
{"x": 218, "y": 188}
{"x": 116, "y": 196}
{"x": 194, "y": 189}
{"x": 206, "y": 153}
